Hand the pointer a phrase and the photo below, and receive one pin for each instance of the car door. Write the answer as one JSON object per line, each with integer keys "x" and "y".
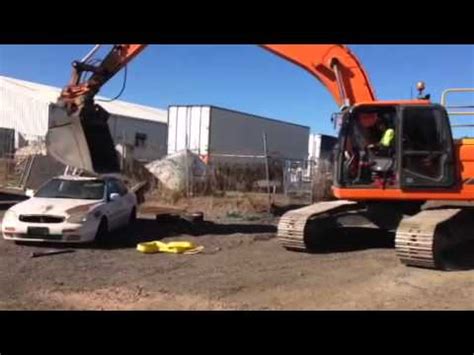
{"x": 127, "y": 203}
{"x": 115, "y": 209}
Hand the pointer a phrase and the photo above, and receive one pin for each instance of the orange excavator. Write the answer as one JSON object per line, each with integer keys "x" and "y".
{"x": 377, "y": 186}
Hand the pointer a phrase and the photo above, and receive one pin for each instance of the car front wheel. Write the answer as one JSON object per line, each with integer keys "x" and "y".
{"x": 133, "y": 217}
{"x": 102, "y": 231}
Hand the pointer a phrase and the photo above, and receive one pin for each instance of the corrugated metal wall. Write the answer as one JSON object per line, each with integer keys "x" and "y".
{"x": 124, "y": 131}
{"x": 25, "y": 108}
{"x": 240, "y": 133}
{"x": 220, "y": 132}
{"x": 30, "y": 118}
{"x": 23, "y": 114}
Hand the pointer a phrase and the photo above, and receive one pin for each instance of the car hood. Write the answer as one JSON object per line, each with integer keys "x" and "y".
{"x": 54, "y": 206}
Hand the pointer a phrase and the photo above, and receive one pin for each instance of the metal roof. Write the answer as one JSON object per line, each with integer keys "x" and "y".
{"x": 49, "y": 94}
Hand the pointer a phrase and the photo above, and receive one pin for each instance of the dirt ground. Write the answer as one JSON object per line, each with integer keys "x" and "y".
{"x": 242, "y": 267}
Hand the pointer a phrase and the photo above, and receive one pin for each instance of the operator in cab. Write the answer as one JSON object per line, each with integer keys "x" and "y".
{"x": 388, "y": 136}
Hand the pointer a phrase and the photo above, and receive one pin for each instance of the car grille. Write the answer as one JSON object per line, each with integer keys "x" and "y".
{"x": 45, "y": 237}
{"x": 41, "y": 219}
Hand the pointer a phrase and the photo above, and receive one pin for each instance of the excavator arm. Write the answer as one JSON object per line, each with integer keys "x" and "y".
{"x": 335, "y": 66}
{"x": 80, "y": 91}
{"x": 79, "y": 136}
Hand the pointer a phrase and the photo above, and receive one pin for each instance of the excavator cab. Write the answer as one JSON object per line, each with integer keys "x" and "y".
{"x": 420, "y": 155}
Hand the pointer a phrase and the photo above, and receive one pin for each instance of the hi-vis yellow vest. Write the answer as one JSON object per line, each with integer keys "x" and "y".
{"x": 387, "y": 138}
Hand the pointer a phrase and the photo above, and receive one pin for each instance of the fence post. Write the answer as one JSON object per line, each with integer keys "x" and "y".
{"x": 267, "y": 171}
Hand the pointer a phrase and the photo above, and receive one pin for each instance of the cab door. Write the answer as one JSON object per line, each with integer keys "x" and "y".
{"x": 426, "y": 148}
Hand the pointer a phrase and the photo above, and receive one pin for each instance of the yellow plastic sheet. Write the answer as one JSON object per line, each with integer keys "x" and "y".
{"x": 171, "y": 247}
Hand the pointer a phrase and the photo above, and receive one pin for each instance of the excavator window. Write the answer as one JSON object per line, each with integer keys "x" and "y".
{"x": 427, "y": 151}
{"x": 421, "y": 131}
{"x": 365, "y": 157}
{"x": 420, "y": 153}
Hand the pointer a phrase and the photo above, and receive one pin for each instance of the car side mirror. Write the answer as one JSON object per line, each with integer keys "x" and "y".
{"x": 29, "y": 193}
{"x": 114, "y": 196}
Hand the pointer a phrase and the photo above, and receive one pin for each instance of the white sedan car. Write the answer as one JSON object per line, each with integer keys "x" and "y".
{"x": 71, "y": 209}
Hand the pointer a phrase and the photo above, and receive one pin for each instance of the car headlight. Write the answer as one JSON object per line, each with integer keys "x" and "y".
{"x": 10, "y": 215}
{"x": 78, "y": 218}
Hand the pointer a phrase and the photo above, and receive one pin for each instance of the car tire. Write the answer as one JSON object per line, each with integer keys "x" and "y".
{"x": 195, "y": 217}
{"x": 133, "y": 217}
{"x": 102, "y": 231}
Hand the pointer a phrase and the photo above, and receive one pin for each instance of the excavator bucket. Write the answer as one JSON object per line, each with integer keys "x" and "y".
{"x": 82, "y": 140}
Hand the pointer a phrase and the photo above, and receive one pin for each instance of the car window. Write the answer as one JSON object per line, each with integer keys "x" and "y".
{"x": 112, "y": 187}
{"x": 80, "y": 189}
{"x": 116, "y": 186}
{"x": 123, "y": 188}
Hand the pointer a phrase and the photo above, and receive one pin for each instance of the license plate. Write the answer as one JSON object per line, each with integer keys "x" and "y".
{"x": 40, "y": 231}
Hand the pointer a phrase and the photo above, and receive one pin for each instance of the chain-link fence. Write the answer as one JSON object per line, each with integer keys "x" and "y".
{"x": 24, "y": 163}
{"x": 297, "y": 181}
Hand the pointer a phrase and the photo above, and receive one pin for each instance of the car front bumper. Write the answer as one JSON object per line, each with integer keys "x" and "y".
{"x": 64, "y": 232}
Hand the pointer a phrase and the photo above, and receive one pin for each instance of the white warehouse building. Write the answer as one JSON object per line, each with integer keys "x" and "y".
{"x": 25, "y": 110}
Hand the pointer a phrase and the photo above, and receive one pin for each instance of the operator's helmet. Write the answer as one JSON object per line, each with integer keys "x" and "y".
{"x": 368, "y": 119}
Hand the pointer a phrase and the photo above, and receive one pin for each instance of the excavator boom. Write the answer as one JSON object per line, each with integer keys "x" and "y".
{"x": 335, "y": 66}
{"x": 78, "y": 135}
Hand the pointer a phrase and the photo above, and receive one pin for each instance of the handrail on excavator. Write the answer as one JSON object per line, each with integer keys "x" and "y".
{"x": 444, "y": 102}
{"x": 444, "y": 97}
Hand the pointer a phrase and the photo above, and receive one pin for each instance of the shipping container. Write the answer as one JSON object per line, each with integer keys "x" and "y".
{"x": 320, "y": 146}
{"x": 222, "y": 134}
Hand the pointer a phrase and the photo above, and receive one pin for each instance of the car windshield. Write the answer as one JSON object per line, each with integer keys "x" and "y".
{"x": 76, "y": 189}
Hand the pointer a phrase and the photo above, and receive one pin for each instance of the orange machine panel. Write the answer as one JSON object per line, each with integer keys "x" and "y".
{"x": 466, "y": 193}
{"x": 465, "y": 155}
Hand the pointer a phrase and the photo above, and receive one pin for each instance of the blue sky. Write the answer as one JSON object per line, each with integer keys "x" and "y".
{"x": 250, "y": 79}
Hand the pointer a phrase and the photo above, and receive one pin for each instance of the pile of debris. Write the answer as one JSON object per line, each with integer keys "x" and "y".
{"x": 179, "y": 172}
{"x": 33, "y": 148}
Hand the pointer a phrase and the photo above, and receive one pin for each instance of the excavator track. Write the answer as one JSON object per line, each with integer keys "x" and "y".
{"x": 423, "y": 240}
{"x": 293, "y": 226}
